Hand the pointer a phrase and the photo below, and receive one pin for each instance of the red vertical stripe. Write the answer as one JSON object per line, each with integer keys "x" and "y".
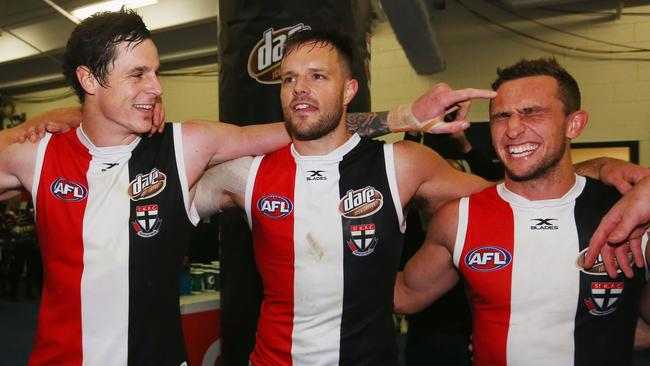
{"x": 274, "y": 252}
{"x": 490, "y": 224}
{"x": 59, "y": 224}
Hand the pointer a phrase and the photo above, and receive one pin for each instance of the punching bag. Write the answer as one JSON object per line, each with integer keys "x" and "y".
{"x": 251, "y": 38}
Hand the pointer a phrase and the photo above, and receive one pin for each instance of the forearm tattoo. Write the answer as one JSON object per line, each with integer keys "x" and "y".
{"x": 370, "y": 125}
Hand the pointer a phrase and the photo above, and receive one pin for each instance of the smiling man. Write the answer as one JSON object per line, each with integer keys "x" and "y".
{"x": 519, "y": 245}
{"x": 114, "y": 208}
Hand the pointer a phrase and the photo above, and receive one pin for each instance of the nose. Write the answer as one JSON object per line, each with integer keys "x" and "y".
{"x": 153, "y": 86}
{"x": 300, "y": 87}
{"x": 515, "y": 126}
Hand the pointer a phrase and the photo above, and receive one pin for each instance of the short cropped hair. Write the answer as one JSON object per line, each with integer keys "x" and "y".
{"x": 341, "y": 43}
{"x": 567, "y": 87}
{"x": 93, "y": 44}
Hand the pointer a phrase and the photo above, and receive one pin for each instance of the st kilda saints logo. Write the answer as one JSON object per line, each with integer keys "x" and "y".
{"x": 362, "y": 239}
{"x": 147, "y": 185}
{"x": 361, "y": 203}
{"x": 274, "y": 206}
{"x": 604, "y": 297}
{"x": 67, "y": 190}
{"x": 147, "y": 222}
{"x": 264, "y": 59}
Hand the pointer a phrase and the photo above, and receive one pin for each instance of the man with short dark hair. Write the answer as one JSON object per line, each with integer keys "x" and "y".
{"x": 520, "y": 245}
{"x": 114, "y": 208}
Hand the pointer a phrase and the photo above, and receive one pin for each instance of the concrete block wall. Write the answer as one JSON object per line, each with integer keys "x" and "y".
{"x": 616, "y": 93}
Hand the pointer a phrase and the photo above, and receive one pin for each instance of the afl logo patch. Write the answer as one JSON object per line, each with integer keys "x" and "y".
{"x": 488, "y": 259}
{"x": 67, "y": 190}
{"x": 361, "y": 203}
{"x": 274, "y": 206}
{"x": 147, "y": 185}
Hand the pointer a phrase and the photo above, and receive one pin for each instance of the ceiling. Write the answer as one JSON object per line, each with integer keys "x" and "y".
{"x": 33, "y": 35}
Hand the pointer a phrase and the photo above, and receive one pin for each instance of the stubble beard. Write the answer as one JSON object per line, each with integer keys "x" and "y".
{"x": 324, "y": 126}
{"x": 544, "y": 167}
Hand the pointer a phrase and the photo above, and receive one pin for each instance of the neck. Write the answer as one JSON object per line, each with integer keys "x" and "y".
{"x": 103, "y": 132}
{"x": 554, "y": 183}
{"x": 323, "y": 145}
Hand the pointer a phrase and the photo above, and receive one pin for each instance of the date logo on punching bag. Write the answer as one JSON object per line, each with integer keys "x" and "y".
{"x": 264, "y": 59}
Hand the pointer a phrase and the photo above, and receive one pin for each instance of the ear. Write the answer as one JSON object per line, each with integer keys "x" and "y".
{"x": 577, "y": 123}
{"x": 350, "y": 90}
{"x": 87, "y": 80}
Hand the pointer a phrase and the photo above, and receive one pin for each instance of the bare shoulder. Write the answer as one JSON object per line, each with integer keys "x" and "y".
{"x": 18, "y": 160}
{"x": 444, "y": 224}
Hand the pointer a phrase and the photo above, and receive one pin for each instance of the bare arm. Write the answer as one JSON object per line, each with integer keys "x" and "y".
{"x": 209, "y": 143}
{"x": 429, "y": 179}
{"x": 614, "y": 172}
{"x": 425, "y": 114}
{"x": 627, "y": 220}
{"x": 16, "y": 169}
{"x": 642, "y": 335}
{"x": 222, "y": 186}
{"x": 430, "y": 272}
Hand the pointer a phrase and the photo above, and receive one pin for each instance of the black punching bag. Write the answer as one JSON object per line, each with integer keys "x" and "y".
{"x": 251, "y": 36}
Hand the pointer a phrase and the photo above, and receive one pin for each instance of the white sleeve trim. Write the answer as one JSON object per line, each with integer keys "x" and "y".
{"x": 250, "y": 183}
{"x": 38, "y": 166}
{"x": 190, "y": 209}
{"x": 389, "y": 158}
{"x": 461, "y": 231}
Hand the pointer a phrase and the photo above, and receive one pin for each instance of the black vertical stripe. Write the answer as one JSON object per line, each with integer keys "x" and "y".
{"x": 155, "y": 332}
{"x": 367, "y": 331}
{"x": 601, "y": 338}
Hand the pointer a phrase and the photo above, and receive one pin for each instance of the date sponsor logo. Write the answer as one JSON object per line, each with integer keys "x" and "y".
{"x": 361, "y": 203}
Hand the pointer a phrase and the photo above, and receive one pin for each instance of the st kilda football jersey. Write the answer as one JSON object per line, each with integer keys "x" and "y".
{"x": 532, "y": 302}
{"x": 327, "y": 234}
{"x": 113, "y": 224}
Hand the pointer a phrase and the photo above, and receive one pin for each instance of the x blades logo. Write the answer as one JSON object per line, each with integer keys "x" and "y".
{"x": 316, "y": 175}
{"x": 544, "y": 224}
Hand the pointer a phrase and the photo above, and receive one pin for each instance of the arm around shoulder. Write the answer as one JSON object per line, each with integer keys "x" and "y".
{"x": 17, "y": 168}
{"x": 430, "y": 272}
{"x": 427, "y": 177}
{"x": 222, "y": 186}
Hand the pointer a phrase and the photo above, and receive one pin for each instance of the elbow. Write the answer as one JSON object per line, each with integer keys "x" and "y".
{"x": 401, "y": 297}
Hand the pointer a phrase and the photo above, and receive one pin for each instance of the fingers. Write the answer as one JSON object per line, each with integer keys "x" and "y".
{"x": 599, "y": 239}
{"x": 637, "y": 252}
{"x": 464, "y": 95}
{"x": 158, "y": 121}
{"x": 447, "y": 127}
{"x": 622, "y": 253}
{"x": 622, "y": 185}
{"x": 463, "y": 111}
{"x": 609, "y": 261}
